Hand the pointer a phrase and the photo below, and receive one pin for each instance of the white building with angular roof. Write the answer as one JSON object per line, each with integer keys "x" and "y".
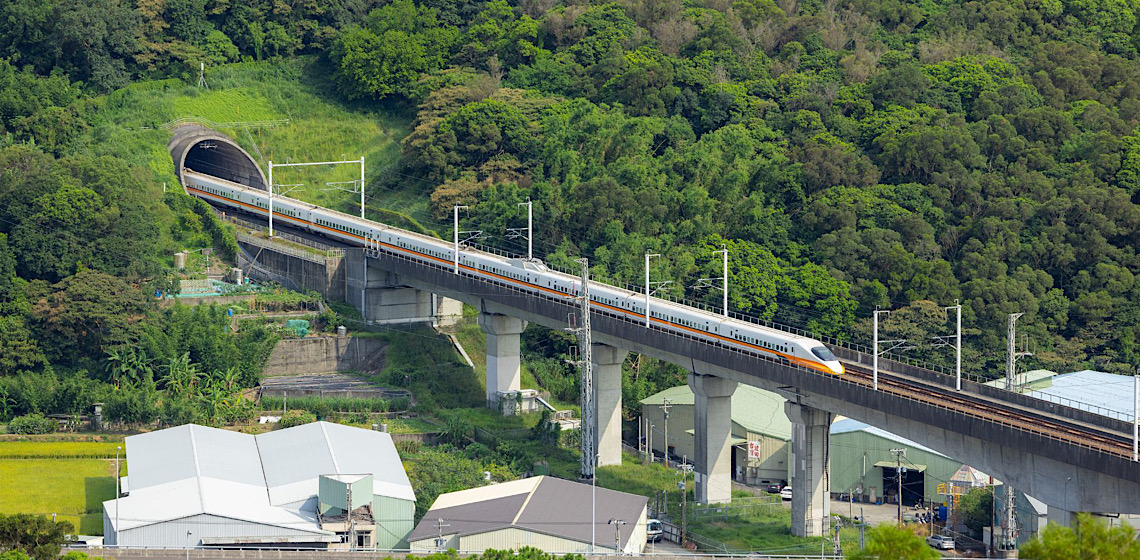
{"x": 319, "y": 485}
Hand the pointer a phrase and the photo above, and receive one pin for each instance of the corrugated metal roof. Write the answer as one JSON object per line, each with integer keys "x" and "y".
{"x": 470, "y": 518}
{"x": 848, "y": 425}
{"x": 549, "y": 505}
{"x": 756, "y": 410}
{"x": 482, "y": 493}
{"x": 189, "y": 451}
{"x": 1105, "y": 390}
{"x": 190, "y": 470}
{"x": 293, "y": 459}
{"x": 184, "y": 498}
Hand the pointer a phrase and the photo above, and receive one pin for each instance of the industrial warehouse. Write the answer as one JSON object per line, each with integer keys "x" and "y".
{"x": 319, "y": 485}
{"x": 543, "y": 512}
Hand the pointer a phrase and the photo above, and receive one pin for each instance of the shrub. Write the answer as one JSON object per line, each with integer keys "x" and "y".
{"x": 296, "y": 418}
{"x": 32, "y": 424}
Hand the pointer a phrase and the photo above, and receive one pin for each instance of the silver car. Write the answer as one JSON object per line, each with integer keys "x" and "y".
{"x": 941, "y": 542}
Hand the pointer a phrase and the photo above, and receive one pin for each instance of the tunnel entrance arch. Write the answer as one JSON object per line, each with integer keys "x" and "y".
{"x": 209, "y": 151}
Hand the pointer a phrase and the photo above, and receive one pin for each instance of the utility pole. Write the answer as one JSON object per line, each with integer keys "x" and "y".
{"x": 958, "y": 346}
{"x": 1012, "y": 354}
{"x": 529, "y": 230}
{"x": 455, "y": 237}
{"x": 351, "y": 521}
{"x": 647, "y": 256}
{"x": 1009, "y": 529}
{"x": 724, "y": 249}
{"x": 439, "y": 528}
{"x": 665, "y": 411}
{"x": 875, "y": 349}
{"x": 899, "y": 454}
{"x": 1135, "y": 416}
{"x": 836, "y": 546}
{"x": 862, "y": 527}
{"x": 617, "y": 523}
{"x": 585, "y": 352}
{"x": 685, "y": 468}
{"x": 270, "y": 198}
{"x": 515, "y": 233}
{"x": 649, "y": 455}
{"x": 362, "y": 187}
{"x": 118, "y": 491}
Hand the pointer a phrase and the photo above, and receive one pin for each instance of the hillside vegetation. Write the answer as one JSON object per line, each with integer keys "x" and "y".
{"x": 849, "y": 154}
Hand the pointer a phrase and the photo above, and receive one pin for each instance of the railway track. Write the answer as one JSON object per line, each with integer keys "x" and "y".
{"x": 1070, "y": 431}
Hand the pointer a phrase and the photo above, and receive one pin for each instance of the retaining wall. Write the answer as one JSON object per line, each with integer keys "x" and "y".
{"x": 324, "y": 354}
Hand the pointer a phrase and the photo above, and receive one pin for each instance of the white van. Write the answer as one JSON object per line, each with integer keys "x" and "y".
{"x": 653, "y": 531}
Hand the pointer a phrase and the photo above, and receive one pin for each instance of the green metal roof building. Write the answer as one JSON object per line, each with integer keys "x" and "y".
{"x": 758, "y": 423}
{"x": 862, "y": 463}
{"x": 860, "y": 458}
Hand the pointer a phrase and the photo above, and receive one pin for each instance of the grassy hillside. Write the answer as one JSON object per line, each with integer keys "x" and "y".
{"x": 278, "y": 111}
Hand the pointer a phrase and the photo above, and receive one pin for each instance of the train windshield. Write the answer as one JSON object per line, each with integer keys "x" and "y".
{"x": 823, "y": 354}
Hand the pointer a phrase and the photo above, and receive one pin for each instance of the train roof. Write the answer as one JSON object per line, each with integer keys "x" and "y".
{"x": 626, "y": 291}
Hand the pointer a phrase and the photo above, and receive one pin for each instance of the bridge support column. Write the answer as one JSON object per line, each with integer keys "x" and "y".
{"x": 712, "y": 420}
{"x": 811, "y": 505}
{"x": 503, "y": 363}
{"x": 1060, "y": 516}
{"x": 607, "y": 361}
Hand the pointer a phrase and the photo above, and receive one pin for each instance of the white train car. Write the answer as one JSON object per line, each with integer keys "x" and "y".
{"x": 519, "y": 273}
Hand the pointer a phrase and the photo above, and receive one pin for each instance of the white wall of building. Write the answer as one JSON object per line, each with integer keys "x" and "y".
{"x": 189, "y": 531}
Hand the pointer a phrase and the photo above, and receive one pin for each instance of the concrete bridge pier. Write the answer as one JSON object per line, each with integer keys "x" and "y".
{"x": 1061, "y": 516}
{"x": 811, "y": 505}
{"x": 712, "y": 420}
{"x": 504, "y": 367}
{"x": 607, "y": 362}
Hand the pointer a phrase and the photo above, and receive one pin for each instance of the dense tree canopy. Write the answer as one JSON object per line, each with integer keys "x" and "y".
{"x": 850, "y": 155}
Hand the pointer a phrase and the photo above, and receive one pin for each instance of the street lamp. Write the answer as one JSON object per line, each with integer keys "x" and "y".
{"x": 1067, "y": 480}
{"x": 118, "y": 491}
{"x": 594, "y": 501}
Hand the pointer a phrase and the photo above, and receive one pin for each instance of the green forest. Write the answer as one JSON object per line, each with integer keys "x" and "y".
{"x": 850, "y": 156}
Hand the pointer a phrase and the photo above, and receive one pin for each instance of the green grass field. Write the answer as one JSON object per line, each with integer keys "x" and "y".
{"x": 74, "y": 489}
{"x": 753, "y": 529}
{"x": 57, "y": 450}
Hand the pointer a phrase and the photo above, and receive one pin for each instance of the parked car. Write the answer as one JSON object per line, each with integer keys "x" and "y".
{"x": 653, "y": 532}
{"x": 786, "y": 493}
{"x": 941, "y": 542}
{"x": 773, "y": 488}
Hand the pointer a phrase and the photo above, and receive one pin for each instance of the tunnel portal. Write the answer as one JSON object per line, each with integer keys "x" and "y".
{"x": 209, "y": 151}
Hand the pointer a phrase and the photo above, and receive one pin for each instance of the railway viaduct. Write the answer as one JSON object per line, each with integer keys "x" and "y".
{"x": 1070, "y": 459}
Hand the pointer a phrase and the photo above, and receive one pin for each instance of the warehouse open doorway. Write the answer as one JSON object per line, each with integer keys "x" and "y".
{"x": 913, "y": 482}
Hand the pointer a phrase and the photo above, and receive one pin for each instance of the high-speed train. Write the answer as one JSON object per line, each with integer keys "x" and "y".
{"x": 519, "y": 273}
